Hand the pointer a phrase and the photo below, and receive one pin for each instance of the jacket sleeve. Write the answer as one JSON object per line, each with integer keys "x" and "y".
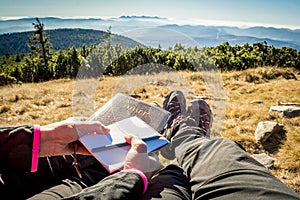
{"x": 127, "y": 185}
{"x": 16, "y": 148}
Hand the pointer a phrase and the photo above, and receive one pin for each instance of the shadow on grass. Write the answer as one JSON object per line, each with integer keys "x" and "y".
{"x": 273, "y": 143}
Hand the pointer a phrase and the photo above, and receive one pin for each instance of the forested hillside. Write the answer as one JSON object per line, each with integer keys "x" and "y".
{"x": 16, "y": 43}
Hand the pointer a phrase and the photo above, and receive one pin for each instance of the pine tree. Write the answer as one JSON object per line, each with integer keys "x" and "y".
{"x": 74, "y": 62}
{"x": 40, "y": 48}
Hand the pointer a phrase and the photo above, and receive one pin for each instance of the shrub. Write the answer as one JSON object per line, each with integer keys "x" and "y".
{"x": 7, "y": 80}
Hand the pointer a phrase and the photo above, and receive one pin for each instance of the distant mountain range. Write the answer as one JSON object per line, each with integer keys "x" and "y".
{"x": 154, "y": 31}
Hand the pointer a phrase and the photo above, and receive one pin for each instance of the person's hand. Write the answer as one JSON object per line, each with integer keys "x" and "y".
{"x": 137, "y": 157}
{"x": 58, "y": 138}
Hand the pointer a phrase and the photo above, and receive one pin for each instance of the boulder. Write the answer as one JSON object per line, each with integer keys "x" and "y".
{"x": 264, "y": 159}
{"x": 287, "y": 111}
{"x": 267, "y": 128}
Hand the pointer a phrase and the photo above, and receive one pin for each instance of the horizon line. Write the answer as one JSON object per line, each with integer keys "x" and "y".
{"x": 178, "y": 21}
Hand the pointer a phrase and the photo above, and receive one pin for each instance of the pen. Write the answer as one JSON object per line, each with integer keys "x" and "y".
{"x": 121, "y": 144}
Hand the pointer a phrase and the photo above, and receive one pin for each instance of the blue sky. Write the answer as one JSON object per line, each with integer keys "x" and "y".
{"x": 278, "y": 13}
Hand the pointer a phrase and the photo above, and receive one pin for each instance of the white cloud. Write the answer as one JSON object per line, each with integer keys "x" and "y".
{"x": 241, "y": 24}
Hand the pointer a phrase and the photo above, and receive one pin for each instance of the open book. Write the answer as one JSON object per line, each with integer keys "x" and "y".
{"x": 111, "y": 149}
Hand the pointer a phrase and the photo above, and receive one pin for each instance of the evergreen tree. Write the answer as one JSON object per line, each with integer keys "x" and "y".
{"x": 40, "y": 48}
{"x": 84, "y": 52}
{"x": 61, "y": 66}
{"x": 74, "y": 62}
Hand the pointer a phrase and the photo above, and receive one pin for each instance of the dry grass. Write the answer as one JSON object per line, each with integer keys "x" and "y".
{"x": 44, "y": 103}
{"x": 243, "y": 117}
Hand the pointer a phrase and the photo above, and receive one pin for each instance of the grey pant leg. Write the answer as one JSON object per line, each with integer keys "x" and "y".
{"x": 169, "y": 183}
{"x": 222, "y": 169}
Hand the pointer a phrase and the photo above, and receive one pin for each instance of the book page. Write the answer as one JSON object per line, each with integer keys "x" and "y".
{"x": 130, "y": 126}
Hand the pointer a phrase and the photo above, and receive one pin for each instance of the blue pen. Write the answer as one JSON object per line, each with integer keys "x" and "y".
{"x": 122, "y": 144}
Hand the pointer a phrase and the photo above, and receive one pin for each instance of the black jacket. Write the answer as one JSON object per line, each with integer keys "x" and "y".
{"x": 17, "y": 181}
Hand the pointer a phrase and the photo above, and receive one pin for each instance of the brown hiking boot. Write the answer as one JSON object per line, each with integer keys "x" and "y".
{"x": 175, "y": 103}
{"x": 200, "y": 111}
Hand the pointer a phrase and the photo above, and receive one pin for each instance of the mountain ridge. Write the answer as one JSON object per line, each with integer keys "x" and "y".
{"x": 279, "y": 37}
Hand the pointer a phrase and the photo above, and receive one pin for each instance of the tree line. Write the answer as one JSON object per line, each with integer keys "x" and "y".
{"x": 113, "y": 59}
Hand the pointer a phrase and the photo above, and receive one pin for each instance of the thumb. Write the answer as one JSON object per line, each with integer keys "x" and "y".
{"x": 137, "y": 144}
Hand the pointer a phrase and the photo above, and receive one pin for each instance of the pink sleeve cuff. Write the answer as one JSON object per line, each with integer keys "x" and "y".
{"x": 35, "y": 147}
{"x": 141, "y": 174}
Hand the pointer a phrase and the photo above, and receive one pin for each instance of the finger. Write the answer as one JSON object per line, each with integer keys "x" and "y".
{"x": 128, "y": 138}
{"x": 137, "y": 144}
{"x": 98, "y": 128}
{"x": 93, "y": 127}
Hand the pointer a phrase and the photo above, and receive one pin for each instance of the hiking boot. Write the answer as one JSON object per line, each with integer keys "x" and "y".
{"x": 200, "y": 111}
{"x": 175, "y": 103}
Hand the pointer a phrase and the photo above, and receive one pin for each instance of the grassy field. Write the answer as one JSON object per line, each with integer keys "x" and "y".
{"x": 236, "y": 116}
